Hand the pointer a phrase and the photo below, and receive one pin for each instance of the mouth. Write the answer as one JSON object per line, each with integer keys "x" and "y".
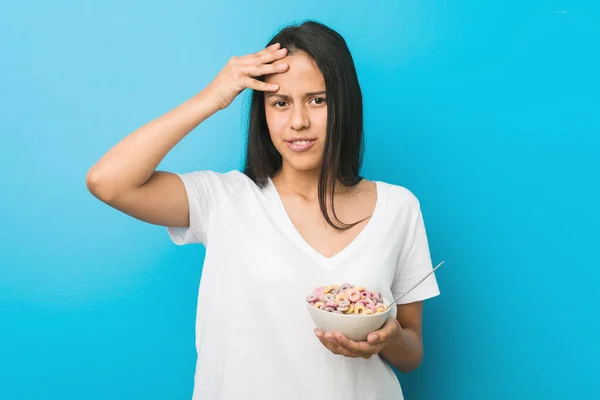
{"x": 299, "y": 145}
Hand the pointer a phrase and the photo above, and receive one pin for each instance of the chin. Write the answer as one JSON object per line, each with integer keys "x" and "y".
{"x": 304, "y": 165}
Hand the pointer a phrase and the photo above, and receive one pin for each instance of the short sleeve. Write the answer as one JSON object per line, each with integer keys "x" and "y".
{"x": 414, "y": 262}
{"x": 206, "y": 190}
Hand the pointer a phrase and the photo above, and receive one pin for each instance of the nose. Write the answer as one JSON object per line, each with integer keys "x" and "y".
{"x": 300, "y": 118}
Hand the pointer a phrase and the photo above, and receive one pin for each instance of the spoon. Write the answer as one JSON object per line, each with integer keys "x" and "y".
{"x": 418, "y": 283}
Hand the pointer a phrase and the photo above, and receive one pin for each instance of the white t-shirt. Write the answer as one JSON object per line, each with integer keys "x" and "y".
{"x": 254, "y": 337}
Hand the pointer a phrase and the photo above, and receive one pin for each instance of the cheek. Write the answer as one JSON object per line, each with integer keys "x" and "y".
{"x": 276, "y": 123}
{"x": 320, "y": 121}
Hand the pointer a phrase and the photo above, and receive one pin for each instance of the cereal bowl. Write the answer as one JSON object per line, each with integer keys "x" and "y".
{"x": 350, "y": 310}
{"x": 354, "y": 327}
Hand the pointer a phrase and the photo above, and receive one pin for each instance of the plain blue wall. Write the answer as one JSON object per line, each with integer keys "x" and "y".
{"x": 487, "y": 111}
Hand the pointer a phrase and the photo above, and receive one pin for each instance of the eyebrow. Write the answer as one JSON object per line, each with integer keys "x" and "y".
{"x": 287, "y": 97}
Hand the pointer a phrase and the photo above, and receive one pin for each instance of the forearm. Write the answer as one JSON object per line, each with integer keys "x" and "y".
{"x": 131, "y": 162}
{"x": 404, "y": 351}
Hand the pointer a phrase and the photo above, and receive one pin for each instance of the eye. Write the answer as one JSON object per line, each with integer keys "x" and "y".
{"x": 319, "y": 100}
{"x": 279, "y": 104}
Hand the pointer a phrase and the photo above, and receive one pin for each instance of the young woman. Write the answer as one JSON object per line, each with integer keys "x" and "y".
{"x": 299, "y": 216}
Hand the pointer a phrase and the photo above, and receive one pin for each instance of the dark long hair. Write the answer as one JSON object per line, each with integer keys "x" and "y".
{"x": 343, "y": 149}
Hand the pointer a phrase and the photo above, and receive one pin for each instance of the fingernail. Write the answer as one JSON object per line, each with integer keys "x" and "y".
{"x": 374, "y": 338}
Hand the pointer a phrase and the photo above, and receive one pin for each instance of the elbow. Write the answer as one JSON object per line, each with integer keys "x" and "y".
{"x": 96, "y": 187}
{"x": 411, "y": 364}
{"x": 409, "y": 367}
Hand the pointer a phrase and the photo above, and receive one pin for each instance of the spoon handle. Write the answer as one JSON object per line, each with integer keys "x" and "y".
{"x": 418, "y": 283}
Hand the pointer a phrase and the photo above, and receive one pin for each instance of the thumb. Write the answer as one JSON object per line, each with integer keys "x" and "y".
{"x": 372, "y": 338}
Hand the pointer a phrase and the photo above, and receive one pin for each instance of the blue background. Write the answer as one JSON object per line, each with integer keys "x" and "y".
{"x": 487, "y": 111}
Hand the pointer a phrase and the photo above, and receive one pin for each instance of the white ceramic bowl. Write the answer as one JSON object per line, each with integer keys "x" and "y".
{"x": 354, "y": 327}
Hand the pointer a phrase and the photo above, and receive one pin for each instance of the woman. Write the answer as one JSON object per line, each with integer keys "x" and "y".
{"x": 298, "y": 217}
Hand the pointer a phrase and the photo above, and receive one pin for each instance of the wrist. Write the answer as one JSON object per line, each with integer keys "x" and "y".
{"x": 397, "y": 338}
{"x": 404, "y": 351}
{"x": 205, "y": 102}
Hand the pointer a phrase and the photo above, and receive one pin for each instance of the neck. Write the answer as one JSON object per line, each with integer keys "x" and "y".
{"x": 301, "y": 183}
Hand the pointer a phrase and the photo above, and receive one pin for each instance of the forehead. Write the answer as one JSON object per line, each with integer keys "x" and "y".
{"x": 303, "y": 73}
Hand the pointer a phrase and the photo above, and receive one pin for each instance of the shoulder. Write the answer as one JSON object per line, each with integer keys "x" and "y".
{"x": 401, "y": 207}
{"x": 231, "y": 181}
{"x": 398, "y": 196}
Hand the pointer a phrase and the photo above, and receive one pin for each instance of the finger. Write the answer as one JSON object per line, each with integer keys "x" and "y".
{"x": 264, "y": 69}
{"x": 373, "y": 338}
{"x": 321, "y": 336}
{"x": 332, "y": 342}
{"x": 350, "y": 346}
{"x": 340, "y": 349}
{"x": 268, "y": 53}
{"x": 272, "y": 47}
{"x": 384, "y": 334}
{"x": 379, "y": 336}
{"x": 330, "y": 339}
{"x": 329, "y": 344}
{"x": 260, "y": 86}
{"x": 271, "y": 56}
{"x": 362, "y": 349}
{"x": 348, "y": 353}
{"x": 262, "y": 58}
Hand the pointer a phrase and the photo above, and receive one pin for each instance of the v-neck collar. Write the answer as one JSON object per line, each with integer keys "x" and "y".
{"x": 296, "y": 237}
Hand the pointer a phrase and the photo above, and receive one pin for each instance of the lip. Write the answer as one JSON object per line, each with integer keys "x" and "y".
{"x": 300, "y": 147}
